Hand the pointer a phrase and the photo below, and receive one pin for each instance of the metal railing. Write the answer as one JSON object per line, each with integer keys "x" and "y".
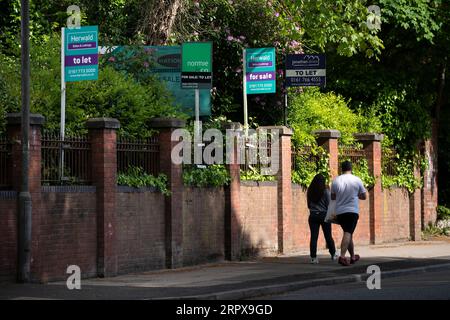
{"x": 143, "y": 153}
{"x": 5, "y": 163}
{"x": 303, "y": 154}
{"x": 76, "y": 169}
{"x": 256, "y": 156}
{"x": 352, "y": 153}
{"x": 389, "y": 161}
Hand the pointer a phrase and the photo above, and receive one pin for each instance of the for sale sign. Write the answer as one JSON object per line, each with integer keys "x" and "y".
{"x": 260, "y": 70}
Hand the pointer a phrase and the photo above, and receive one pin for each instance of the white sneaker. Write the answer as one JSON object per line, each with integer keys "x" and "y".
{"x": 314, "y": 261}
{"x": 335, "y": 257}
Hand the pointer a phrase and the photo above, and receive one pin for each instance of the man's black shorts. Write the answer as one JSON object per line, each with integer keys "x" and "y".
{"x": 348, "y": 221}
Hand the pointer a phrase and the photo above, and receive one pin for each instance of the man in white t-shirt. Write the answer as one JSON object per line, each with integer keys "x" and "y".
{"x": 347, "y": 190}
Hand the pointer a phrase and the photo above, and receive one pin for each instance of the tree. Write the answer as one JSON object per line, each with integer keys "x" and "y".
{"x": 158, "y": 20}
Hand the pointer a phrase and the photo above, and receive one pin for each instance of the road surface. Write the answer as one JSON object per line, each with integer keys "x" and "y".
{"x": 429, "y": 286}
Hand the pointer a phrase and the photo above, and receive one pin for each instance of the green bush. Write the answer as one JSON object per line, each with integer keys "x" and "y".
{"x": 434, "y": 231}
{"x": 215, "y": 175}
{"x": 443, "y": 213}
{"x": 307, "y": 166}
{"x": 313, "y": 110}
{"x": 361, "y": 170}
{"x": 136, "y": 177}
{"x": 114, "y": 94}
{"x": 255, "y": 175}
{"x": 404, "y": 177}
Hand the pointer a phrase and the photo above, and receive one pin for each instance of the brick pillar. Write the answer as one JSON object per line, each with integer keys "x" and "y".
{"x": 415, "y": 222}
{"x": 285, "y": 211}
{"x": 34, "y": 176}
{"x": 103, "y": 138}
{"x": 233, "y": 197}
{"x": 372, "y": 147}
{"x": 174, "y": 202}
{"x": 430, "y": 185}
{"x": 328, "y": 139}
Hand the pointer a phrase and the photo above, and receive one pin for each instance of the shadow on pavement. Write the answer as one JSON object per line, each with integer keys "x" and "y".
{"x": 271, "y": 271}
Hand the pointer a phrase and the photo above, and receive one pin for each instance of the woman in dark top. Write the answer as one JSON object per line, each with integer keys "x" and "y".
{"x": 318, "y": 197}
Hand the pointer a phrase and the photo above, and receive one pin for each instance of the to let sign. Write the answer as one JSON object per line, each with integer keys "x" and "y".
{"x": 81, "y": 53}
{"x": 196, "y": 65}
{"x": 260, "y": 72}
{"x": 305, "y": 70}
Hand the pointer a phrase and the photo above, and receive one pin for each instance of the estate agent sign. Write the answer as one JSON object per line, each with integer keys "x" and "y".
{"x": 81, "y": 53}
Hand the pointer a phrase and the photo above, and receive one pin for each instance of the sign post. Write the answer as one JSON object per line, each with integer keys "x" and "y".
{"x": 304, "y": 70}
{"x": 259, "y": 75}
{"x": 79, "y": 62}
{"x": 245, "y": 94}
{"x": 196, "y": 73}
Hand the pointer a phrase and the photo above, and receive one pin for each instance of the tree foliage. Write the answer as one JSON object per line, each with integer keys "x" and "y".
{"x": 389, "y": 79}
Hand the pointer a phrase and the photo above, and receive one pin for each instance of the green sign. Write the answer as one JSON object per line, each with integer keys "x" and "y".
{"x": 196, "y": 65}
{"x": 80, "y": 53}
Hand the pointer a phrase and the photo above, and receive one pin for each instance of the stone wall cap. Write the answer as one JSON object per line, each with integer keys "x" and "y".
{"x": 284, "y": 131}
{"x": 103, "y": 123}
{"x": 368, "y": 136}
{"x": 327, "y": 133}
{"x": 251, "y": 183}
{"x": 16, "y": 119}
{"x": 167, "y": 123}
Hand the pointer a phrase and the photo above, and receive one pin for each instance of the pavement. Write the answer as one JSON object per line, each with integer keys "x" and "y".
{"x": 247, "y": 279}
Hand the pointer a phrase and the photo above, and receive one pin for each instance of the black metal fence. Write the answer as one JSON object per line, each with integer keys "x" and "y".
{"x": 256, "y": 156}
{"x": 304, "y": 155}
{"x": 353, "y": 154}
{"x": 143, "y": 153}
{"x": 66, "y": 162}
{"x": 389, "y": 162}
{"x": 5, "y": 163}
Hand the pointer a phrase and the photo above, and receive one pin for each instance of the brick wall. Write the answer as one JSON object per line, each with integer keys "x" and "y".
{"x": 396, "y": 224}
{"x": 203, "y": 225}
{"x": 8, "y": 236}
{"x": 362, "y": 234}
{"x": 300, "y": 218}
{"x": 258, "y": 219}
{"x": 108, "y": 230}
{"x": 140, "y": 230}
{"x": 68, "y": 231}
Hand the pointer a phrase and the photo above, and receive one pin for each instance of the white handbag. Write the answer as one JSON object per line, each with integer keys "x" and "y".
{"x": 331, "y": 213}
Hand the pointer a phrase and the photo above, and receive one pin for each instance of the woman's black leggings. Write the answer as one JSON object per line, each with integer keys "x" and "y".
{"x": 315, "y": 221}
